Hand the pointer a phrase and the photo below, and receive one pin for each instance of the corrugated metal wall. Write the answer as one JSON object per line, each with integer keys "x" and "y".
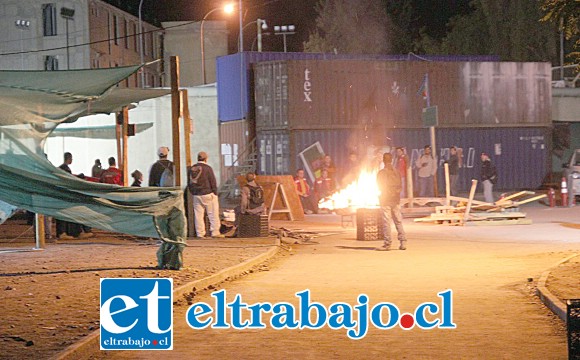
{"x": 233, "y": 99}
{"x": 521, "y": 155}
{"x": 234, "y": 138}
{"x": 344, "y": 94}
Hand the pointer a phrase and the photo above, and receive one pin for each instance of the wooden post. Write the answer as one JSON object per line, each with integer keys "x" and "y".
{"x": 470, "y": 200}
{"x": 175, "y": 107}
{"x": 118, "y": 135}
{"x": 409, "y": 179}
{"x": 40, "y": 238}
{"x": 124, "y": 166}
{"x": 447, "y": 185}
{"x": 434, "y": 153}
{"x": 187, "y": 128}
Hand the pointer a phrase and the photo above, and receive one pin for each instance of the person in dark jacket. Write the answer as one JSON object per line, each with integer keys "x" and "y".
{"x": 488, "y": 177}
{"x": 159, "y": 167}
{"x": 389, "y": 183}
{"x": 202, "y": 185}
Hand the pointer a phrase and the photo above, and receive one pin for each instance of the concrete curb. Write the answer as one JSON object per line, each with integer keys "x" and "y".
{"x": 85, "y": 348}
{"x": 549, "y": 299}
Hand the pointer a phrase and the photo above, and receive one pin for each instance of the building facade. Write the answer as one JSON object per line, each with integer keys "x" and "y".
{"x": 78, "y": 34}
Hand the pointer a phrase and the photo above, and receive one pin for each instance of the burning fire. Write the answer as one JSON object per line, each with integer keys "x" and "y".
{"x": 362, "y": 193}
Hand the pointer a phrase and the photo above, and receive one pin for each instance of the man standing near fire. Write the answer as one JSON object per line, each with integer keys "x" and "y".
{"x": 389, "y": 183}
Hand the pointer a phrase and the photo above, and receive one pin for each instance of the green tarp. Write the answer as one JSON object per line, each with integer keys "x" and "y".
{"x": 32, "y": 104}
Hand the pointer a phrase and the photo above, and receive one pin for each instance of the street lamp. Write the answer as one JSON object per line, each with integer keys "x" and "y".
{"x": 228, "y": 9}
{"x": 22, "y": 25}
{"x": 261, "y": 24}
{"x": 284, "y": 30}
{"x": 67, "y": 14}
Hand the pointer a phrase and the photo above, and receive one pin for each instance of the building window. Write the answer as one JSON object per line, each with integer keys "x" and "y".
{"x": 116, "y": 29}
{"x": 49, "y": 19}
{"x": 135, "y": 37}
{"x": 50, "y": 63}
{"x": 126, "y": 29}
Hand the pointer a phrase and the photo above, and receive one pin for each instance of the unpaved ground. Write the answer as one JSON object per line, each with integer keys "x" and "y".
{"x": 50, "y": 298}
{"x": 564, "y": 280}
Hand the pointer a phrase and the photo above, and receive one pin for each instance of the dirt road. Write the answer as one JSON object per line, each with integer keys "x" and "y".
{"x": 488, "y": 269}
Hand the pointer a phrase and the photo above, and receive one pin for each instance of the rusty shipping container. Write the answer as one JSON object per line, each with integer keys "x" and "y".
{"x": 334, "y": 94}
{"x": 522, "y": 155}
{"x": 234, "y": 140}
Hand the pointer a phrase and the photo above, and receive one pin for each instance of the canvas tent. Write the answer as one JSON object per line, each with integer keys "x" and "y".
{"x": 32, "y": 105}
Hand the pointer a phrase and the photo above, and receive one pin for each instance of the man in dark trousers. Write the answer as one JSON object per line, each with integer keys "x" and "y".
{"x": 64, "y": 229}
{"x": 160, "y": 166}
{"x": 488, "y": 177}
{"x": 202, "y": 185}
{"x": 389, "y": 183}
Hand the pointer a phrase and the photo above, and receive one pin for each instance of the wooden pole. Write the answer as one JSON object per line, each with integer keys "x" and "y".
{"x": 124, "y": 166}
{"x": 118, "y": 135}
{"x": 175, "y": 107}
{"x": 187, "y": 128}
{"x": 409, "y": 180}
{"x": 447, "y": 185}
{"x": 471, "y": 195}
{"x": 39, "y": 225}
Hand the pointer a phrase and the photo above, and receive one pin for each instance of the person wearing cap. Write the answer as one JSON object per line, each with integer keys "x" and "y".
{"x": 427, "y": 166}
{"x": 488, "y": 177}
{"x": 160, "y": 166}
{"x": 202, "y": 185}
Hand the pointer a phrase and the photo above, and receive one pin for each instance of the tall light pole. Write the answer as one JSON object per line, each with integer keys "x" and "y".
{"x": 22, "y": 25}
{"x": 261, "y": 26}
{"x": 67, "y": 14}
{"x": 284, "y": 30}
{"x": 241, "y": 44}
{"x": 228, "y": 9}
{"x": 141, "y": 44}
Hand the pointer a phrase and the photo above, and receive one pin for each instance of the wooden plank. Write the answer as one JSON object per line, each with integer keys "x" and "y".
{"x": 447, "y": 187}
{"x": 124, "y": 166}
{"x": 268, "y": 182}
{"x": 501, "y": 222}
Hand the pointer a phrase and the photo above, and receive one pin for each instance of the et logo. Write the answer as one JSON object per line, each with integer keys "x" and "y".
{"x": 136, "y": 314}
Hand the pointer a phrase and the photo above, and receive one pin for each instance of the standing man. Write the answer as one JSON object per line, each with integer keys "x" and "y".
{"x": 427, "y": 166}
{"x": 65, "y": 229}
{"x": 488, "y": 177}
{"x": 112, "y": 175}
{"x": 160, "y": 166}
{"x": 402, "y": 168}
{"x": 389, "y": 183}
{"x": 203, "y": 187}
{"x": 453, "y": 163}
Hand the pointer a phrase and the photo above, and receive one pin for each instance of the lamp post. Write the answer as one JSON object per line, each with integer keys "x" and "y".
{"x": 67, "y": 14}
{"x": 22, "y": 25}
{"x": 284, "y": 30}
{"x": 261, "y": 23}
{"x": 141, "y": 44}
{"x": 228, "y": 9}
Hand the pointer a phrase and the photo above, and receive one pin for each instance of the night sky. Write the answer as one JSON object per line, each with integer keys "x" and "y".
{"x": 433, "y": 14}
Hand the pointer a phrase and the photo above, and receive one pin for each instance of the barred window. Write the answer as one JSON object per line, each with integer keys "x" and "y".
{"x": 49, "y": 19}
{"x": 50, "y": 63}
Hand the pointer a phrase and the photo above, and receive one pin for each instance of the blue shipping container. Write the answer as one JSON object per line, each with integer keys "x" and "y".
{"x": 521, "y": 155}
{"x": 234, "y": 73}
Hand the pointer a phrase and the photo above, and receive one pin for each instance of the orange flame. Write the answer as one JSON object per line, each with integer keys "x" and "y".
{"x": 362, "y": 193}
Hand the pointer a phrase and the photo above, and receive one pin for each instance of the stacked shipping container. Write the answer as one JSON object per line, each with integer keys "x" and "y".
{"x": 353, "y": 106}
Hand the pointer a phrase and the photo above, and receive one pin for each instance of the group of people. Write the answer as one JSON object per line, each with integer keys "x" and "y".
{"x": 324, "y": 186}
{"x": 427, "y": 168}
